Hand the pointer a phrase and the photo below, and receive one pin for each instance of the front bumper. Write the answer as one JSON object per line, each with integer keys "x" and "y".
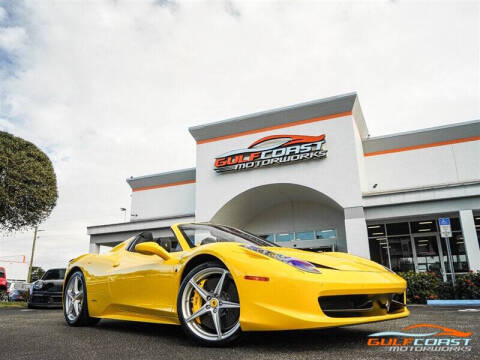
{"x": 292, "y": 302}
{"x": 45, "y": 299}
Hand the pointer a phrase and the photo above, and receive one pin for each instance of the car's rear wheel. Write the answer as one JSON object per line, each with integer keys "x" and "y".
{"x": 75, "y": 306}
{"x": 208, "y": 305}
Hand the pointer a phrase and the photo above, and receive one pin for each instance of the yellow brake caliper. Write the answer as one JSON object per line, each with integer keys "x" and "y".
{"x": 197, "y": 301}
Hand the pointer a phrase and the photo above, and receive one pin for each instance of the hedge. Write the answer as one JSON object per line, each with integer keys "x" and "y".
{"x": 430, "y": 286}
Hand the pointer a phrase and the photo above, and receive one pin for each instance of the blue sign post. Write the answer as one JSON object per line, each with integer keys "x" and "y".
{"x": 446, "y": 233}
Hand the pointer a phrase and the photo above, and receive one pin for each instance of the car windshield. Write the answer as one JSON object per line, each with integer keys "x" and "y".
{"x": 2, "y": 274}
{"x": 202, "y": 234}
{"x": 54, "y": 274}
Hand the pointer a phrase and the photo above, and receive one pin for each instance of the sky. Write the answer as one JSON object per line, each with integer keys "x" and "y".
{"x": 108, "y": 89}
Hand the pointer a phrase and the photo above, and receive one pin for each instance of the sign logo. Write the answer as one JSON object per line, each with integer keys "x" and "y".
{"x": 272, "y": 150}
{"x": 425, "y": 337}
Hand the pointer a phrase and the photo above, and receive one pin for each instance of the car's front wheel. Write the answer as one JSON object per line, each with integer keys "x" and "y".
{"x": 75, "y": 307}
{"x": 208, "y": 305}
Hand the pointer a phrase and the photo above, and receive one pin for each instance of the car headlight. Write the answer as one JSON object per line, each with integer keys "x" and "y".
{"x": 38, "y": 285}
{"x": 296, "y": 263}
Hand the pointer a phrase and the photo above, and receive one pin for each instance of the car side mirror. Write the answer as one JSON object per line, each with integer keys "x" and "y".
{"x": 152, "y": 248}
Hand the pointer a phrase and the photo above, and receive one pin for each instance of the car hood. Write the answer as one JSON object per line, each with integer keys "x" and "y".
{"x": 333, "y": 260}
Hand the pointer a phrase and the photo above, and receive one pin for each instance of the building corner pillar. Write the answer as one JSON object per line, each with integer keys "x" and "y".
{"x": 94, "y": 248}
{"x": 356, "y": 232}
{"x": 470, "y": 239}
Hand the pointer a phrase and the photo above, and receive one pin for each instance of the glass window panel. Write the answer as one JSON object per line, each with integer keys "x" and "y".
{"x": 398, "y": 229}
{"x": 326, "y": 234}
{"x": 285, "y": 237}
{"x": 427, "y": 253}
{"x": 376, "y": 230}
{"x": 378, "y": 250}
{"x": 305, "y": 235}
{"x": 401, "y": 255}
{"x": 455, "y": 224}
{"x": 459, "y": 256}
{"x": 424, "y": 226}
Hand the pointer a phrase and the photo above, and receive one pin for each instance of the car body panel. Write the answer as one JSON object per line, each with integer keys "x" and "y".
{"x": 132, "y": 286}
{"x": 3, "y": 279}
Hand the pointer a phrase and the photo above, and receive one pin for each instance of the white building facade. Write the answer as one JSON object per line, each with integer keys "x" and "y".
{"x": 309, "y": 176}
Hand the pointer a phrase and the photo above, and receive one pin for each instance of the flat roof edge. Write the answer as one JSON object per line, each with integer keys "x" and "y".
{"x": 165, "y": 178}
{"x": 278, "y": 116}
{"x": 123, "y": 226}
{"x": 439, "y": 135}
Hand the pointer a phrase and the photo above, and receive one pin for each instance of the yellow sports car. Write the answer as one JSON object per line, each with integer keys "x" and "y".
{"x": 216, "y": 281}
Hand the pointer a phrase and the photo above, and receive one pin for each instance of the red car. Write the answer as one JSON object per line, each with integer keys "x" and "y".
{"x": 3, "y": 285}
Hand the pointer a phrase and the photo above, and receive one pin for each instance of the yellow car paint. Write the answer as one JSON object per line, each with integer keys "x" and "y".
{"x": 132, "y": 286}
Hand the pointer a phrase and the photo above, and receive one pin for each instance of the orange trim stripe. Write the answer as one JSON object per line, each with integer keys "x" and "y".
{"x": 295, "y": 123}
{"x": 423, "y": 146}
{"x": 164, "y": 185}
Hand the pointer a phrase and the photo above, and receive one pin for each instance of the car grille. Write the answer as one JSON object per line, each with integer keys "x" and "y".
{"x": 54, "y": 288}
{"x": 39, "y": 299}
{"x": 361, "y": 305}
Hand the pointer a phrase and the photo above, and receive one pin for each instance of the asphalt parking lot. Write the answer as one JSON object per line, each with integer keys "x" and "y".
{"x": 43, "y": 334}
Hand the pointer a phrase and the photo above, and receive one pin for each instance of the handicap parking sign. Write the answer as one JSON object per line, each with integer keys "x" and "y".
{"x": 445, "y": 228}
{"x": 444, "y": 221}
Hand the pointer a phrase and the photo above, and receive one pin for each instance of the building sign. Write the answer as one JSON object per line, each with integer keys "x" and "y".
{"x": 272, "y": 150}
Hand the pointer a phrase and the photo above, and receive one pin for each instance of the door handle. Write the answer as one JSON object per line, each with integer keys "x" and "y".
{"x": 116, "y": 264}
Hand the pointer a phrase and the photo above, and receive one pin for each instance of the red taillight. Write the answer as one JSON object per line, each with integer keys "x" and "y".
{"x": 257, "y": 278}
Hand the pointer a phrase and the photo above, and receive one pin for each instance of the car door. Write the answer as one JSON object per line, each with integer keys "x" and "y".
{"x": 141, "y": 284}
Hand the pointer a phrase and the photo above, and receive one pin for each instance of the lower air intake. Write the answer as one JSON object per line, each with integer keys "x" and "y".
{"x": 361, "y": 305}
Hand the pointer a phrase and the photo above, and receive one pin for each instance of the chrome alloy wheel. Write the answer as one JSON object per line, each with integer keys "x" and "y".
{"x": 74, "y": 298}
{"x": 215, "y": 305}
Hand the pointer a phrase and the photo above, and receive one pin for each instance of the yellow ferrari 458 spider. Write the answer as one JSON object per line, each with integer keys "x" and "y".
{"x": 217, "y": 281}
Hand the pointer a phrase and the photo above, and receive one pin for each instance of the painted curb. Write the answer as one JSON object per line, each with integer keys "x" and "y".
{"x": 453, "y": 302}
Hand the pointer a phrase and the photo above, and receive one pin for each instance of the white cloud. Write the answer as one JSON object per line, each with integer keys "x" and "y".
{"x": 3, "y": 14}
{"x": 12, "y": 38}
{"x": 106, "y": 87}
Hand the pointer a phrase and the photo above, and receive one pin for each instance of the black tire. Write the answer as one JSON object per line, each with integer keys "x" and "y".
{"x": 83, "y": 319}
{"x": 216, "y": 343}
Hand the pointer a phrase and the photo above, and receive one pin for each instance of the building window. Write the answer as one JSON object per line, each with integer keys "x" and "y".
{"x": 424, "y": 226}
{"x": 376, "y": 230}
{"x": 326, "y": 234}
{"x": 305, "y": 235}
{"x": 401, "y": 255}
{"x": 285, "y": 237}
{"x": 427, "y": 254}
{"x": 417, "y": 245}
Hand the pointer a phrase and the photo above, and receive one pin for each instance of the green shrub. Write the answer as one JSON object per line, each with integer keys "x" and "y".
{"x": 421, "y": 286}
{"x": 468, "y": 286}
{"x": 430, "y": 286}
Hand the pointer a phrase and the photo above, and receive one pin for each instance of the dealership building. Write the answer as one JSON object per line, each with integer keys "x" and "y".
{"x": 310, "y": 176}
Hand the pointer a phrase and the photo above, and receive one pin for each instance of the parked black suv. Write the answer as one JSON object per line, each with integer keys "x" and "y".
{"x": 47, "y": 292}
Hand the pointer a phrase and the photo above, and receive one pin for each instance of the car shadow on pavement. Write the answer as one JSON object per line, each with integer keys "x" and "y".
{"x": 276, "y": 341}
{"x": 302, "y": 340}
{"x": 141, "y": 328}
